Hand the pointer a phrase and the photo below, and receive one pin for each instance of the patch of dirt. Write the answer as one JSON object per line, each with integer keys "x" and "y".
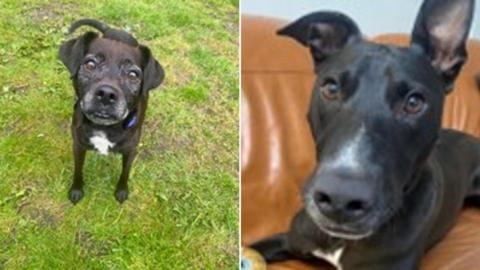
{"x": 181, "y": 78}
{"x": 52, "y": 11}
{"x": 232, "y": 24}
{"x": 44, "y": 217}
{"x": 64, "y": 126}
{"x": 230, "y": 249}
{"x": 15, "y": 89}
{"x": 45, "y": 213}
{"x": 90, "y": 246}
{"x": 159, "y": 143}
{"x": 11, "y": 127}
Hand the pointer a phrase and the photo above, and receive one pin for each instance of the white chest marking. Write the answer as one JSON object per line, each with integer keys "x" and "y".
{"x": 101, "y": 143}
{"x": 332, "y": 257}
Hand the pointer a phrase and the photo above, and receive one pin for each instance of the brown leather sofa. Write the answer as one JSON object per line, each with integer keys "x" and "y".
{"x": 277, "y": 151}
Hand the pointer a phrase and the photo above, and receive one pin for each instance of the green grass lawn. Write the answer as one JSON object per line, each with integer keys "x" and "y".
{"x": 182, "y": 212}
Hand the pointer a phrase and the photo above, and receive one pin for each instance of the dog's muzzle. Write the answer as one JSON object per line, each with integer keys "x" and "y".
{"x": 102, "y": 117}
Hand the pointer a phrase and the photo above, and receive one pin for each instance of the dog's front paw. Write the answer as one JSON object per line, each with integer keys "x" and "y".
{"x": 121, "y": 195}
{"x": 75, "y": 195}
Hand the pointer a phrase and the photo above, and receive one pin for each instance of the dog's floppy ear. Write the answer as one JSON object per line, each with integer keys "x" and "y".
{"x": 323, "y": 32}
{"x": 441, "y": 30}
{"x": 72, "y": 52}
{"x": 153, "y": 73}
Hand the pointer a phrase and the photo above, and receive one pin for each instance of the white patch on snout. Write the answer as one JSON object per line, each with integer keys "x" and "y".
{"x": 349, "y": 154}
{"x": 100, "y": 141}
{"x": 331, "y": 257}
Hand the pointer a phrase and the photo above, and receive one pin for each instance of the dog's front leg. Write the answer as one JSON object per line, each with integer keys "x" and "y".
{"x": 274, "y": 248}
{"x": 76, "y": 190}
{"x": 121, "y": 192}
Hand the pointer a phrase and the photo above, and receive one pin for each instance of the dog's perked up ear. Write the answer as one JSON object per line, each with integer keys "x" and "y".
{"x": 323, "y": 32}
{"x": 72, "y": 52}
{"x": 441, "y": 30}
{"x": 153, "y": 73}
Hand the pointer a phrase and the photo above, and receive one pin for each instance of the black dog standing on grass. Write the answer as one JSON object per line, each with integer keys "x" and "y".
{"x": 389, "y": 182}
{"x": 112, "y": 76}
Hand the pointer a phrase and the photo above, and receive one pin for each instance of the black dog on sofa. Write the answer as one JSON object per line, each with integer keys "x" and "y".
{"x": 389, "y": 182}
{"x": 112, "y": 76}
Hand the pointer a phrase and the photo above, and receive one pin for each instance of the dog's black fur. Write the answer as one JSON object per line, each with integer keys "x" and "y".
{"x": 389, "y": 182}
{"x": 112, "y": 76}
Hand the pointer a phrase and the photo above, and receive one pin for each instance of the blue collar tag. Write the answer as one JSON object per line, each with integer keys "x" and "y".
{"x": 132, "y": 122}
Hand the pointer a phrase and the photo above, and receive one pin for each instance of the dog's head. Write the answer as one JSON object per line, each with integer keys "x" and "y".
{"x": 375, "y": 112}
{"x": 110, "y": 73}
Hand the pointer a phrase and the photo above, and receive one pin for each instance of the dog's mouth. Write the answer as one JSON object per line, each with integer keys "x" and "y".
{"x": 103, "y": 117}
{"x": 344, "y": 232}
{"x": 356, "y": 230}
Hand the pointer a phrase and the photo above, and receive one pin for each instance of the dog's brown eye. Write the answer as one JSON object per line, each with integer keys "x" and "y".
{"x": 90, "y": 65}
{"x": 330, "y": 90}
{"x": 414, "y": 103}
{"x": 132, "y": 75}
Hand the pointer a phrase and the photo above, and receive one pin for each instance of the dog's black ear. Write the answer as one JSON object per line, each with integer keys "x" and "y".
{"x": 323, "y": 32}
{"x": 72, "y": 52}
{"x": 153, "y": 73}
{"x": 441, "y": 30}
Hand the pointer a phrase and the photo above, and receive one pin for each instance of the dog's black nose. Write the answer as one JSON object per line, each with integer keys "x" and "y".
{"x": 343, "y": 203}
{"x": 106, "y": 95}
